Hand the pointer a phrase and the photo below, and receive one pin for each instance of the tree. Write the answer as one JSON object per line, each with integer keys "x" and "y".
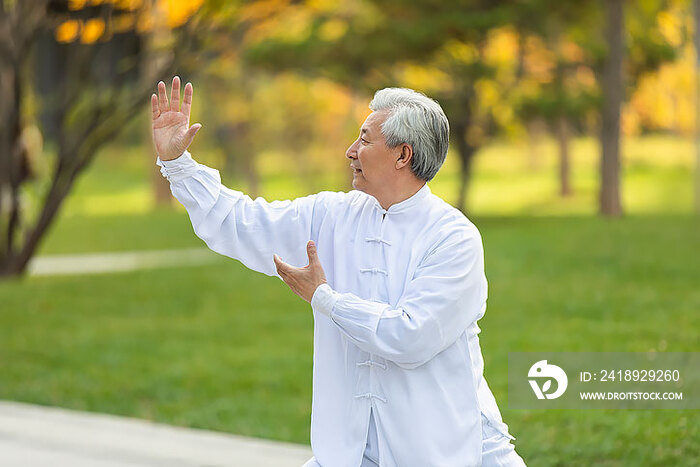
{"x": 619, "y": 70}
{"x": 612, "y": 92}
{"x": 603, "y": 52}
{"x": 19, "y": 24}
{"x": 564, "y": 92}
{"x": 93, "y": 94}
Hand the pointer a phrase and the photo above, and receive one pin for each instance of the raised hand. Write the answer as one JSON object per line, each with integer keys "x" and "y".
{"x": 172, "y": 134}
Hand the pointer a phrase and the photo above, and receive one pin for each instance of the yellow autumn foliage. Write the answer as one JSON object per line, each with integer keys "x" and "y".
{"x": 93, "y": 30}
{"x": 68, "y": 31}
{"x": 133, "y": 14}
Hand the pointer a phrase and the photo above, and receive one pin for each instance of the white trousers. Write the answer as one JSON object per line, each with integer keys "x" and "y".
{"x": 496, "y": 451}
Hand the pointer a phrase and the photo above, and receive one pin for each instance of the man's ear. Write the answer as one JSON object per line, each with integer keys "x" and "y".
{"x": 405, "y": 156}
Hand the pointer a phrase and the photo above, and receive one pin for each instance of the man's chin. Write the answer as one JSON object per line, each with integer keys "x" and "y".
{"x": 356, "y": 185}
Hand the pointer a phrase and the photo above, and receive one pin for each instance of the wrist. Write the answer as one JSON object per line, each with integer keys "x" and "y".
{"x": 179, "y": 168}
{"x": 323, "y": 299}
{"x": 170, "y": 158}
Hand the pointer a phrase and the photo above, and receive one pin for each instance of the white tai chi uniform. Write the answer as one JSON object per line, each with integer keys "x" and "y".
{"x": 395, "y": 334}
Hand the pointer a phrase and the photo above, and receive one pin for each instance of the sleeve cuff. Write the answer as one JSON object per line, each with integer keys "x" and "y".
{"x": 324, "y": 299}
{"x": 177, "y": 169}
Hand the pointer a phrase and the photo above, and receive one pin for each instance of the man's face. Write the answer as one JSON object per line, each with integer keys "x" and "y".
{"x": 373, "y": 163}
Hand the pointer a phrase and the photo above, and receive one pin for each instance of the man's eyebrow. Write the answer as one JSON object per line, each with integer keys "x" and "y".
{"x": 364, "y": 131}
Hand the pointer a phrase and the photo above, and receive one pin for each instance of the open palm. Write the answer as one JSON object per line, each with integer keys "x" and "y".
{"x": 172, "y": 134}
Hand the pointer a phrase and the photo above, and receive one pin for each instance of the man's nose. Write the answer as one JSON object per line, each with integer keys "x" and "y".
{"x": 351, "y": 153}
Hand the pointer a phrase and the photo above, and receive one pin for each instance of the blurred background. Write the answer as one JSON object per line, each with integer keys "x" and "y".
{"x": 573, "y": 149}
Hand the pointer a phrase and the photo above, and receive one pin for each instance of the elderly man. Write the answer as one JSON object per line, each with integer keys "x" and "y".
{"x": 395, "y": 279}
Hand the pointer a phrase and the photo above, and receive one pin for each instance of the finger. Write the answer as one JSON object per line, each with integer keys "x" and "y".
{"x": 162, "y": 98}
{"x": 277, "y": 262}
{"x": 154, "y": 106}
{"x": 282, "y": 267}
{"x": 189, "y": 136}
{"x": 175, "y": 95}
{"x": 311, "y": 251}
{"x": 187, "y": 100}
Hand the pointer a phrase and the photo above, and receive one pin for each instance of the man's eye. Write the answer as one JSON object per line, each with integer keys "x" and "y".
{"x": 364, "y": 141}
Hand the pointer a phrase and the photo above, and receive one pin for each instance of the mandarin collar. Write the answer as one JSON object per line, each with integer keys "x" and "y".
{"x": 419, "y": 195}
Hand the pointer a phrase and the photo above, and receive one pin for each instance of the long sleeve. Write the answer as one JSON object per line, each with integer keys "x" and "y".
{"x": 446, "y": 294}
{"x": 234, "y": 225}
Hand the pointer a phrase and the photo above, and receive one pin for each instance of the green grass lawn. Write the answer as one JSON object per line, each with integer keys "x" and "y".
{"x": 224, "y": 348}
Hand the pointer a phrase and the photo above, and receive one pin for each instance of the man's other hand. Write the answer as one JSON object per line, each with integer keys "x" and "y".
{"x": 303, "y": 281}
{"x": 172, "y": 134}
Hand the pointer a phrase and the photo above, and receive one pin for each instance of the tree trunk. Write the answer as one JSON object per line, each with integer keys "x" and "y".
{"x": 696, "y": 38}
{"x": 19, "y": 24}
{"x": 239, "y": 150}
{"x": 9, "y": 144}
{"x": 12, "y": 154}
{"x": 459, "y": 112}
{"x": 251, "y": 176}
{"x": 563, "y": 138}
{"x": 465, "y": 151}
{"x": 534, "y": 139}
{"x": 161, "y": 188}
{"x": 611, "y": 87}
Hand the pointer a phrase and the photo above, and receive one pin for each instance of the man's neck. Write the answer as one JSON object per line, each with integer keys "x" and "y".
{"x": 400, "y": 194}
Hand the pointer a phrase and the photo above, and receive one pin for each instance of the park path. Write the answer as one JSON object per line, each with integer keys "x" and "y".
{"x": 33, "y": 436}
{"x": 96, "y": 263}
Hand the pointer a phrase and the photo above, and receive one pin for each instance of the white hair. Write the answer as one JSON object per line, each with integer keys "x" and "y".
{"x": 417, "y": 120}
